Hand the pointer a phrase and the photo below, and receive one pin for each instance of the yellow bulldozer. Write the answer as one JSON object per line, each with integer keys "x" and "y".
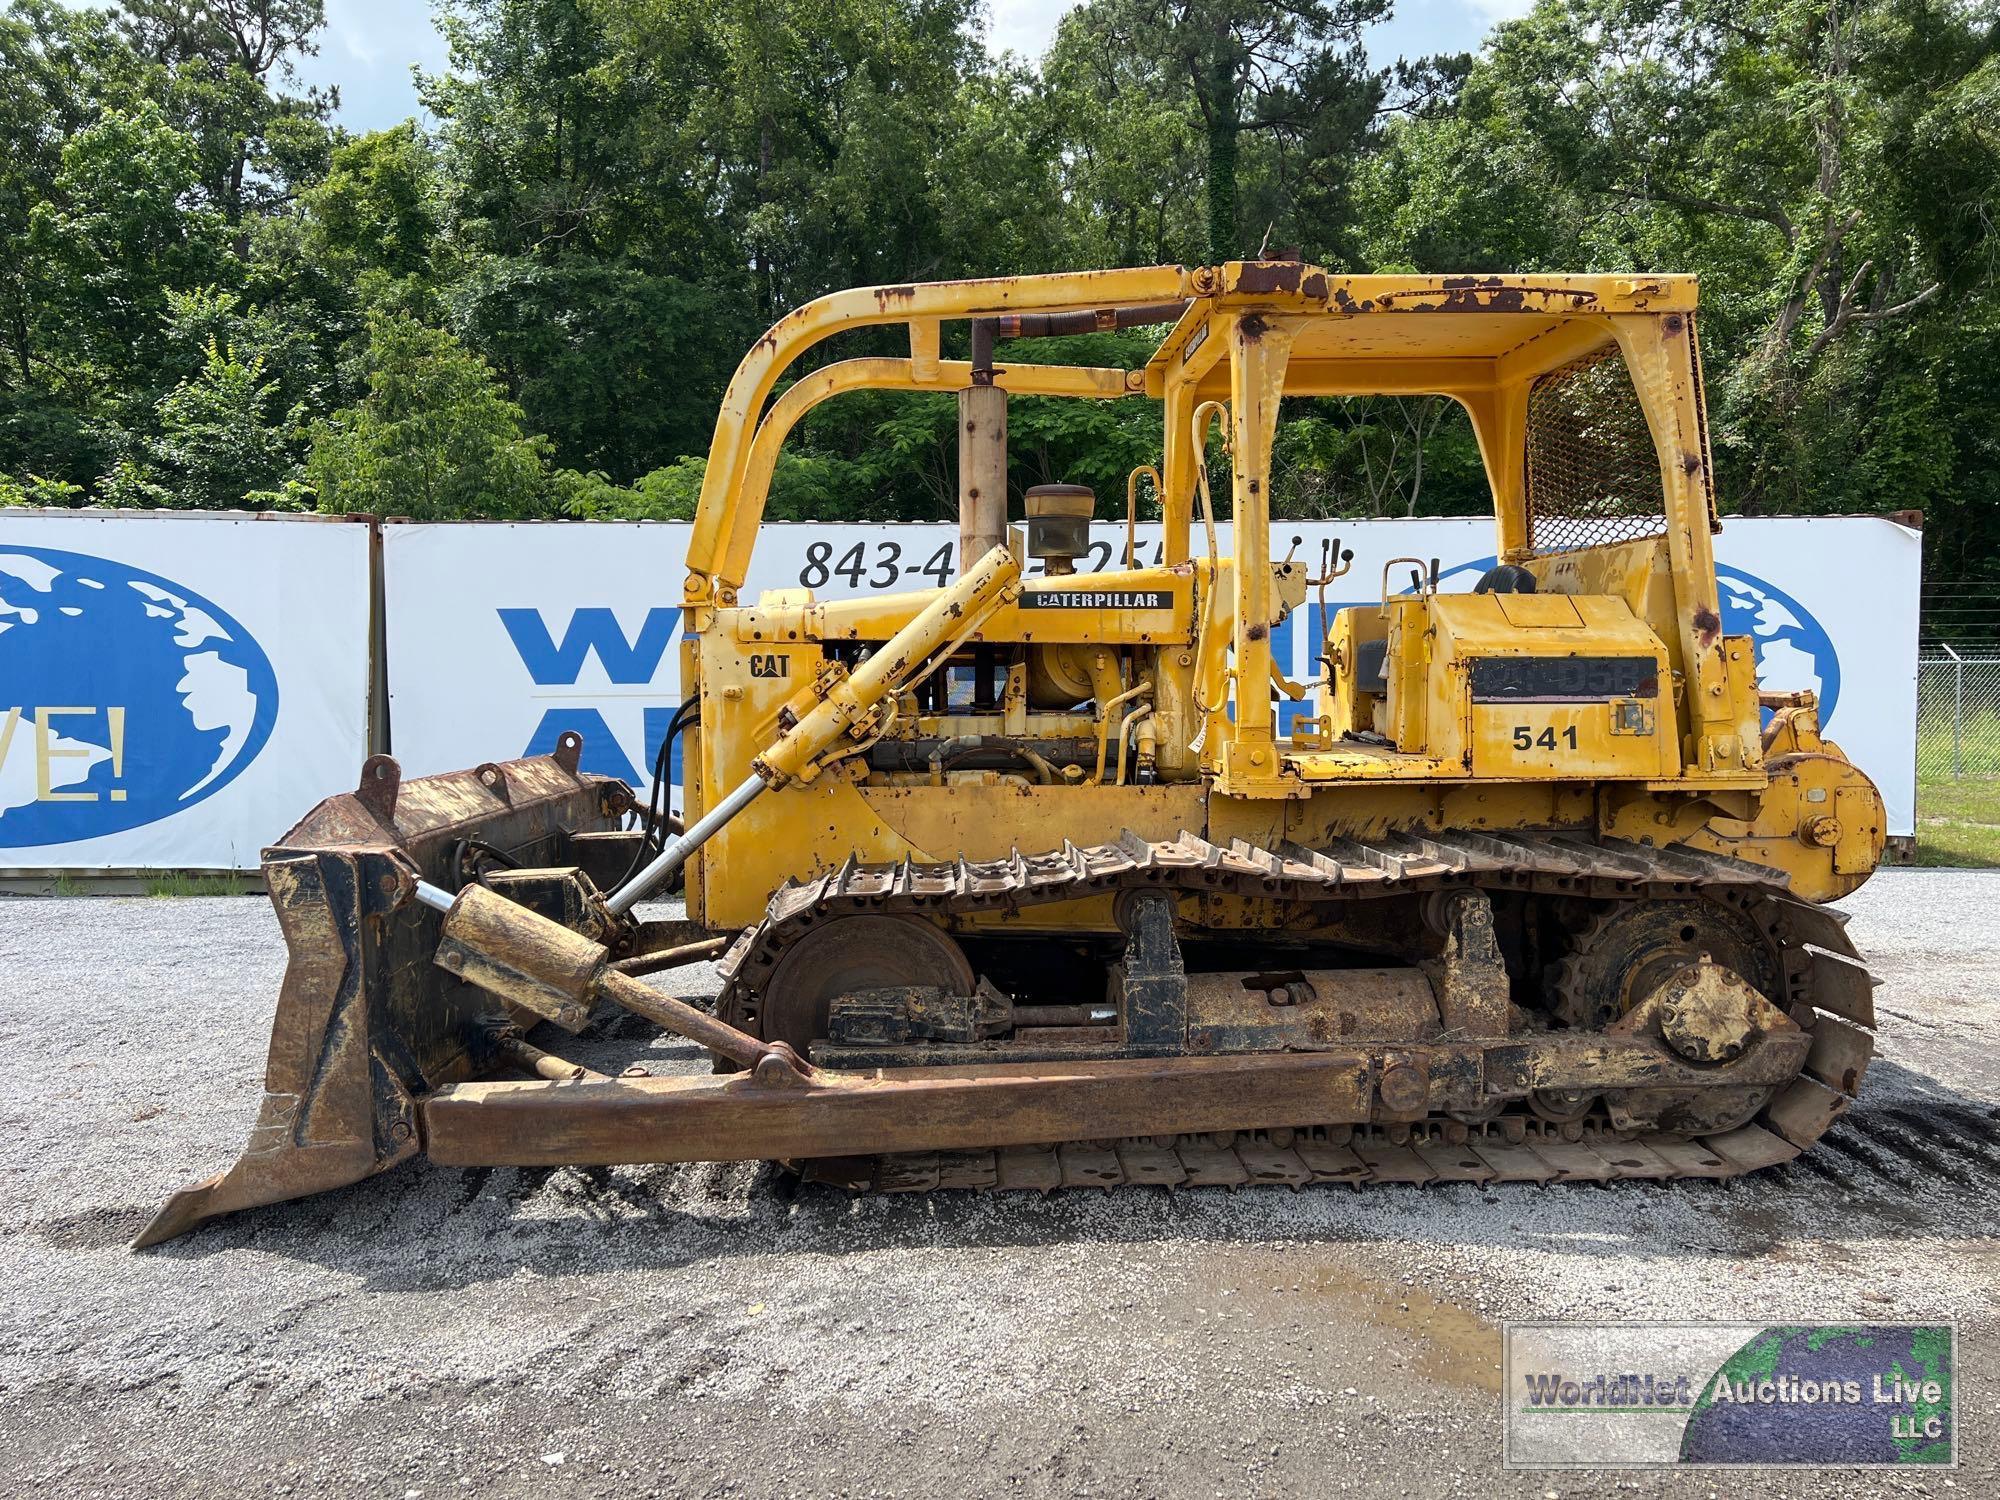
{"x": 1016, "y": 883}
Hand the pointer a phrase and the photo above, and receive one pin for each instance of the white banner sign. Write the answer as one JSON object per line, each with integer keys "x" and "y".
{"x": 175, "y": 690}
{"x": 500, "y": 637}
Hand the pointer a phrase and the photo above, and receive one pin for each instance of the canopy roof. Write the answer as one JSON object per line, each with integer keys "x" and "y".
{"x": 1396, "y": 334}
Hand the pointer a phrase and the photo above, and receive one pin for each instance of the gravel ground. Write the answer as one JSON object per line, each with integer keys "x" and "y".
{"x": 701, "y": 1331}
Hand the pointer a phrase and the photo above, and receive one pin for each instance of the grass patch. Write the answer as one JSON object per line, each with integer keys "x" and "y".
{"x": 1958, "y": 823}
{"x": 1966, "y": 801}
{"x": 182, "y": 884}
{"x": 1971, "y": 751}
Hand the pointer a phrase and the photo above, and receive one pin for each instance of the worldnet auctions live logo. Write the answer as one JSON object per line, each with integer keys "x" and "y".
{"x": 1794, "y": 652}
{"x": 124, "y": 697}
{"x": 1648, "y": 1394}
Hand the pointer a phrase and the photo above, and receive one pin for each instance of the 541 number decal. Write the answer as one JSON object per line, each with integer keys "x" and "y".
{"x": 1525, "y": 737}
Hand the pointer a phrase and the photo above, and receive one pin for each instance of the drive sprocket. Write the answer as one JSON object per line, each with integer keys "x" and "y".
{"x": 1623, "y": 952}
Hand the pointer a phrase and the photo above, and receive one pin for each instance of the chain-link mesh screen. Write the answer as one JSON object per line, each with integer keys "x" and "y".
{"x": 1593, "y": 477}
{"x": 1958, "y": 718}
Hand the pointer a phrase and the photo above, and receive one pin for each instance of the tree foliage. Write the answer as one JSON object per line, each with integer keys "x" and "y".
{"x": 1279, "y": 93}
{"x": 529, "y": 305}
{"x": 435, "y": 437}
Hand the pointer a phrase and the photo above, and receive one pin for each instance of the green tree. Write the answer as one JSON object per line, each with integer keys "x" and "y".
{"x": 810, "y": 129}
{"x": 38, "y": 491}
{"x": 617, "y": 195}
{"x": 1450, "y": 188}
{"x": 220, "y": 62}
{"x": 634, "y": 190}
{"x": 622, "y": 368}
{"x": 435, "y": 437}
{"x": 577, "y": 234}
{"x": 1827, "y": 163}
{"x": 139, "y": 148}
{"x": 1292, "y": 72}
{"x": 58, "y": 68}
{"x": 1135, "y": 176}
{"x": 232, "y": 432}
{"x": 222, "y": 441}
{"x": 1000, "y": 181}
{"x": 542, "y": 132}
{"x": 375, "y": 213}
{"x": 121, "y": 231}
{"x": 119, "y": 234}
{"x": 1829, "y": 168}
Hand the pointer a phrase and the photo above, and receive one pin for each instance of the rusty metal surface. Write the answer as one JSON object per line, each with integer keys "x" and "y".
{"x": 1345, "y": 869}
{"x": 1625, "y": 954}
{"x": 1097, "y": 320}
{"x": 1306, "y": 1010}
{"x": 372, "y": 1040}
{"x": 1709, "y": 1012}
{"x": 425, "y": 816}
{"x": 532, "y": 1059}
{"x": 1474, "y": 991}
{"x": 324, "y": 1082}
{"x": 525, "y": 959}
{"x": 861, "y": 951}
{"x": 743, "y": 1117}
{"x": 521, "y": 957}
{"x": 735, "y": 1118}
{"x": 699, "y": 1026}
{"x": 1359, "y": 1156}
{"x": 701, "y": 951}
{"x": 365, "y": 1023}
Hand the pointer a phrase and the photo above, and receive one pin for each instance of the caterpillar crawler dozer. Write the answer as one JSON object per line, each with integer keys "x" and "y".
{"x": 1017, "y": 882}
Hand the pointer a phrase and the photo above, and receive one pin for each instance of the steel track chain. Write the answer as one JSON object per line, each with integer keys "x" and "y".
{"x": 1828, "y": 993}
{"x": 1514, "y": 1149}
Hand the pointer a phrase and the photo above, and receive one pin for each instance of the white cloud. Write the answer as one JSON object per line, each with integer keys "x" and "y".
{"x": 1496, "y": 11}
{"x": 367, "y": 50}
{"x": 1420, "y": 28}
{"x": 1415, "y": 28}
{"x": 1024, "y": 27}
{"x": 352, "y": 43}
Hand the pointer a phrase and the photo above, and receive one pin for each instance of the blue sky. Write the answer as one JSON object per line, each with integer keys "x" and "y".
{"x": 369, "y": 46}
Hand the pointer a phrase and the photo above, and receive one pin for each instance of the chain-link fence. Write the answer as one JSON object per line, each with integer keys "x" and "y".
{"x": 1958, "y": 716}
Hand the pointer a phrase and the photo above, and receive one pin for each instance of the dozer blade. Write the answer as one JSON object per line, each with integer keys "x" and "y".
{"x": 367, "y": 1025}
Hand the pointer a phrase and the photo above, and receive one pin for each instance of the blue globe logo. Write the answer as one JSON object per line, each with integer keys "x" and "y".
{"x": 1794, "y": 652}
{"x": 1827, "y": 1411}
{"x": 124, "y": 697}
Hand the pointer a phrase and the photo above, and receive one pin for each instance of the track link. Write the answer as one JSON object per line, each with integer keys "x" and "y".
{"x": 1826, "y": 991}
{"x": 1512, "y": 1150}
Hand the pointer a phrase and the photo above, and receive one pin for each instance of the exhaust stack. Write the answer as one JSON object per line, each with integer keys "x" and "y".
{"x": 982, "y": 456}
